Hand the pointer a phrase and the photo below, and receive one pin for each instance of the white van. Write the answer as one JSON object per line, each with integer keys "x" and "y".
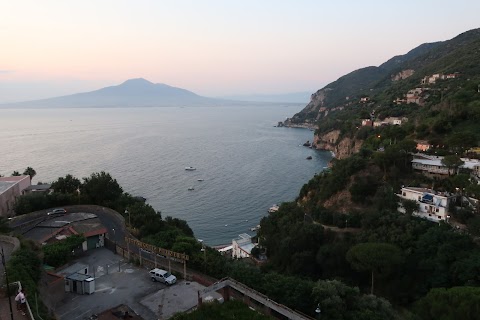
{"x": 162, "y": 276}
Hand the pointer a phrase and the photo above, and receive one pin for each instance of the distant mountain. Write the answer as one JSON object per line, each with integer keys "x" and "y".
{"x": 294, "y": 97}
{"x": 132, "y": 93}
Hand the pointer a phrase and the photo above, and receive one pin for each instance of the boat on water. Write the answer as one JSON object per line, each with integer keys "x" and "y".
{"x": 199, "y": 179}
{"x": 309, "y": 158}
{"x": 190, "y": 168}
{"x": 273, "y": 208}
{"x": 256, "y": 228}
{"x": 191, "y": 189}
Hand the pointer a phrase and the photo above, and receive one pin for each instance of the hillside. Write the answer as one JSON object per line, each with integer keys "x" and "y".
{"x": 395, "y": 76}
{"x": 353, "y": 221}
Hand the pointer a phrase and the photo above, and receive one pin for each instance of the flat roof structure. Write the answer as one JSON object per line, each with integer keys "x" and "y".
{"x": 66, "y": 224}
{"x": 79, "y": 277}
{"x": 5, "y": 185}
{"x": 74, "y": 268}
{"x": 39, "y": 187}
{"x": 437, "y": 161}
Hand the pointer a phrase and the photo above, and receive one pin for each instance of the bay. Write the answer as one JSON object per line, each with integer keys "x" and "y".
{"x": 246, "y": 163}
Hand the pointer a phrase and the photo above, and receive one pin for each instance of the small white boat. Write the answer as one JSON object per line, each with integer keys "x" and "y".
{"x": 273, "y": 209}
{"x": 190, "y": 168}
{"x": 255, "y": 228}
{"x": 191, "y": 189}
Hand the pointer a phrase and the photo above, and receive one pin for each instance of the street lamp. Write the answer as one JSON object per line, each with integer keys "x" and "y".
{"x": 318, "y": 311}
{"x": 129, "y": 220}
{"x": 204, "y": 255}
{"x": 114, "y": 239}
{"x": 8, "y": 285}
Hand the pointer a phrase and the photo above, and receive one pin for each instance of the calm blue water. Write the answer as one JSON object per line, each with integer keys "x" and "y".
{"x": 246, "y": 163}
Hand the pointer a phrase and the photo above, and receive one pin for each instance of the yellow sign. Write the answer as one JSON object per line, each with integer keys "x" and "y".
{"x": 157, "y": 250}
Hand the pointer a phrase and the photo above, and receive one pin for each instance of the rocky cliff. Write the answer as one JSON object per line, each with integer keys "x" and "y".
{"x": 342, "y": 147}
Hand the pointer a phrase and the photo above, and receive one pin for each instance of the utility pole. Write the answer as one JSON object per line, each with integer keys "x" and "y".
{"x": 8, "y": 284}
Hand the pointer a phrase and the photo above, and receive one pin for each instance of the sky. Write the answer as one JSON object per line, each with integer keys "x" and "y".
{"x": 212, "y": 47}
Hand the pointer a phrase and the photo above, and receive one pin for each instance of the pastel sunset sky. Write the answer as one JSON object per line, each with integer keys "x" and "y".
{"x": 212, "y": 47}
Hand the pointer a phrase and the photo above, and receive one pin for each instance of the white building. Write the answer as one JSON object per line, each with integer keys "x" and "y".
{"x": 432, "y": 205}
{"x": 433, "y": 165}
{"x": 242, "y": 246}
{"x": 10, "y": 189}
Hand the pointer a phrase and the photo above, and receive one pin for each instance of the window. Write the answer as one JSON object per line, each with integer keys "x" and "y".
{"x": 419, "y": 198}
{"x": 439, "y": 217}
{"x": 437, "y": 210}
{"x": 404, "y": 194}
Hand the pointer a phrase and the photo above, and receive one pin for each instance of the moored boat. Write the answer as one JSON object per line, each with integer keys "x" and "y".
{"x": 273, "y": 208}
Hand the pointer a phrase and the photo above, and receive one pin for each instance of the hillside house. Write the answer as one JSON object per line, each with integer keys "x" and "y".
{"x": 432, "y": 205}
{"x": 380, "y": 124}
{"x": 10, "y": 189}
{"x": 432, "y": 79}
{"x": 242, "y": 246}
{"x": 415, "y": 96}
{"x": 476, "y": 170}
{"x": 367, "y": 123}
{"x": 423, "y": 145}
{"x": 364, "y": 100}
{"x": 432, "y": 165}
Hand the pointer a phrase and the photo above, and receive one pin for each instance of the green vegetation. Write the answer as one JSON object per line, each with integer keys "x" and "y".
{"x": 228, "y": 310}
{"x": 25, "y": 266}
{"x": 376, "y": 258}
{"x": 454, "y": 303}
{"x": 102, "y": 189}
{"x": 59, "y": 253}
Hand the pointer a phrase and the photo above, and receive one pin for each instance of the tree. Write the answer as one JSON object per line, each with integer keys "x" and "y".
{"x": 29, "y": 172}
{"x": 460, "y": 141}
{"x": 101, "y": 188}
{"x": 67, "y": 184}
{"x": 452, "y": 162}
{"x": 15, "y": 174}
{"x": 454, "y": 303}
{"x": 410, "y": 206}
{"x": 473, "y": 226}
{"x": 374, "y": 257}
{"x": 339, "y": 301}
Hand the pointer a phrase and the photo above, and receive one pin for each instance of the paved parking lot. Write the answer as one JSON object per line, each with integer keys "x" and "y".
{"x": 128, "y": 285}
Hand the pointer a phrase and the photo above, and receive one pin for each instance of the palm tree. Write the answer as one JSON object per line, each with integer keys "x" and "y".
{"x": 15, "y": 173}
{"x": 30, "y": 172}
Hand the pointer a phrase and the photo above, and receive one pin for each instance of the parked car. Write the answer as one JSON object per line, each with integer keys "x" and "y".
{"x": 162, "y": 276}
{"x": 57, "y": 211}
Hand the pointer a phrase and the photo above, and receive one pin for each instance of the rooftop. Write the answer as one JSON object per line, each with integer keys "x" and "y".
{"x": 119, "y": 312}
{"x": 13, "y": 178}
{"x": 66, "y": 224}
{"x": 38, "y": 187}
{"x": 74, "y": 268}
{"x": 437, "y": 161}
{"x": 427, "y": 191}
{"x": 79, "y": 277}
{"x": 5, "y": 185}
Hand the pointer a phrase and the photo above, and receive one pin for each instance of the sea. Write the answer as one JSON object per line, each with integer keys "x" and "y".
{"x": 244, "y": 164}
